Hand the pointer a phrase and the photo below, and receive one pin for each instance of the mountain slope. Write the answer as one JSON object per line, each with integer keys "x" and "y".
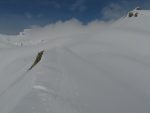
{"x": 83, "y": 70}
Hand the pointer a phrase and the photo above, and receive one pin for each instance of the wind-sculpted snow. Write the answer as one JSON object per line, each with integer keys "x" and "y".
{"x": 97, "y": 68}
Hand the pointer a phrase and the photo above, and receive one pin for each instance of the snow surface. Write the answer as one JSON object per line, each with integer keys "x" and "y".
{"x": 98, "y": 68}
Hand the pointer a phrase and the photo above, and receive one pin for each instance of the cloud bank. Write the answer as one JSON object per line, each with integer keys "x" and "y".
{"x": 70, "y": 28}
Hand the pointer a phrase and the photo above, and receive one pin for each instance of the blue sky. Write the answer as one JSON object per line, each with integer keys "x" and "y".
{"x": 15, "y": 15}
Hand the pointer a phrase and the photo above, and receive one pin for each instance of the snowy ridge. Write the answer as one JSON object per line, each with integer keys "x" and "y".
{"x": 84, "y": 69}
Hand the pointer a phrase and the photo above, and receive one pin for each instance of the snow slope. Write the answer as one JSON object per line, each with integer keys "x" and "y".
{"x": 84, "y": 69}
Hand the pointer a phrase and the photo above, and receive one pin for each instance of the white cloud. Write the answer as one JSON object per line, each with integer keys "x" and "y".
{"x": 79, "y": 5}
{"x": 55, "y": 4}
{"x": 29, "y": 15}
{"x": 71, "y": 28}
{"x": 50, "y": 3}
{"x": 113, "y": 11}
{"x": 40, "y": 15}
